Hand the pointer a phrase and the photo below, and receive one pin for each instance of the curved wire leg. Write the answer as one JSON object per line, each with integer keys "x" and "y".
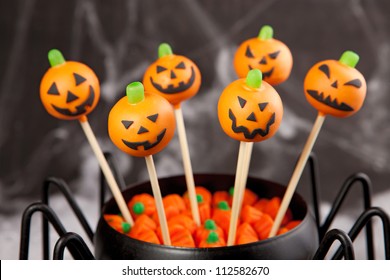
{"x": 64, "y": 189}
{"x": 329, "y": 238}
{"x": 77, "y": 241}
{"x": 364, "y": 220}
{"x": 50, "y": 216}
{"x": 345, "y": 189}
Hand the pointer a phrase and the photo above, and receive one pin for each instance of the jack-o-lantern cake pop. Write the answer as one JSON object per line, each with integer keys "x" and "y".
{"x": 333, "y": 88}
{"x": 141, "y": 124}
{"x": 272, "y": 57}
{"x": 249, "y": 110}
{"x": 69, "y": 89}
{"x": 336, "y": 87}
{"x": 175, "y": 77}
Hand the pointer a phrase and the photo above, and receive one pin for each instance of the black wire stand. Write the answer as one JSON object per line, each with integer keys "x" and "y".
{"x": 79, "y": 249}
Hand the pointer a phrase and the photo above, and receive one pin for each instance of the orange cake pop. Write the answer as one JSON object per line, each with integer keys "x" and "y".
{"x": 175, "y": 77}
{"x": 142, "y": 124}
{"x": 333, "y": 88}
{"x": 249, "y": 110}
{"x": 272, "y": 57}
{"x": 69, "y": 90}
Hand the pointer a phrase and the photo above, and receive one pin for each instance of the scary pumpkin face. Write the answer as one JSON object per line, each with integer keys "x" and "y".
{"x": 174, "y": 77}
{"x": 141, "y": 123}
{"x": 335, "y": 87}
{"x": 69, "y": 90}
{"x": 250, "y": 112}
{"x": 272, "y": 57}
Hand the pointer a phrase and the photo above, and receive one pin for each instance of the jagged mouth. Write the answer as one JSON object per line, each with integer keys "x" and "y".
{"x": 257, "y": 131}
{"x": 80, "y": 109}
{"x": 146, "y": 144}
{"x": 319, "y": 96}
{"x": 265, "y": 74}
{"x": 171, "y": 89}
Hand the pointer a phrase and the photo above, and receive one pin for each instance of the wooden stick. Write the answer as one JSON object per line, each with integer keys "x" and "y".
{"x": 158, "y": 199}
{"x": 236, "y": 195}
{"x": 297, "y": 173}
{"x": 247, "y": 161}
{"x": 187, "y": 165}
{"x": 116, "y": 192}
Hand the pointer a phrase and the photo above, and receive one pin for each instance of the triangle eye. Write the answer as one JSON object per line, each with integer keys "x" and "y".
{"x": 325, "y": 69}
{"x": 248, "y": 52}
{"x": 355, "y": 83}
{"x": 181, "y": 65}
{"x": 53, "y": 90}
{"x": 153, "y": 118}
{"x": 274, "y": 55}
{"x": 242, "y": 102}
{"x": 79, "y": 79}
{"x": 262, "y": 106}
{"x": 127, "y": 124}
{"x": 160, "y": 69}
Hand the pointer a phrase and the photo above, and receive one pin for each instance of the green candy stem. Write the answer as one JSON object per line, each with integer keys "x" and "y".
{"x": 135, "y": 92}
{"x": 231, "y": 191}
{"x": 212, "y": 238}
{"x": 349, "y": 58}
{"x": 55, "y": 57}
{"x": 266, "y": 33}
{"x": 210, "y": 225}
{"x": 223, "y": 205}
{"x": 254, "y": 78}
{"x": 164, "y": 49}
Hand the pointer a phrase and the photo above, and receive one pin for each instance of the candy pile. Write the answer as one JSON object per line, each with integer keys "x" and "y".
{"x": 255, "y": 222}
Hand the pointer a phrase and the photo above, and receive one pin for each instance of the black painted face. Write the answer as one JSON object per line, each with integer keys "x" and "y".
{"x": 174, "y": 75}
{"x": 262, "y": 61}
{"x": 252, "y": 118}
{"x": 71, "y": 98}
{"x": 331, "y": 96}
{"x": 147, "y": 145}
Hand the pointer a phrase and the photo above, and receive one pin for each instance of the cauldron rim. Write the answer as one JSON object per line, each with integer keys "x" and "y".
{"x": 305, "y": 220}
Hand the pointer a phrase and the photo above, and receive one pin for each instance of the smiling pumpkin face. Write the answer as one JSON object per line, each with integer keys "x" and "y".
{"x": 174, "y": 77}
{"x": 335, "y": 88}
{"x": 69, "y": 90}
{"x": 272, "y": 57}
{"x": 250, "y": 113}
{"x": 142, "y": 127}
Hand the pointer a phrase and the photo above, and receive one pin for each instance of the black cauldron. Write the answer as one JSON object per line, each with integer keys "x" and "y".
{"x": 299, "y": 243}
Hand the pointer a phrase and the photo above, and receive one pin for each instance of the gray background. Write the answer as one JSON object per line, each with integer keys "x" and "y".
{"x": 119, "y": 39}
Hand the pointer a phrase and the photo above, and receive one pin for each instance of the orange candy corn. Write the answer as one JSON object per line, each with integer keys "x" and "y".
{"x": 142, "y": 204}
{"x": 117, "y": 222}
{"x": 212, "y": 241}
{"x": 246, "y": 234}
{"x": 203, "y": 232}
